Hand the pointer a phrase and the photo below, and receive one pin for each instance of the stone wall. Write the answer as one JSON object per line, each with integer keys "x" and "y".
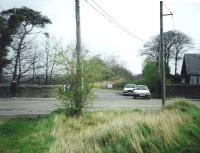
{"x": 33, "y": 91}
{"x": 185, "y": 91}
{"x": 50, "y": 91}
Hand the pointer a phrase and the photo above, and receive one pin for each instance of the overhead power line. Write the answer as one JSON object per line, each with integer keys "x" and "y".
{"x": 171, "y": 15}
{"x": 99, "y": 9}
{"x": 167, "y": 8}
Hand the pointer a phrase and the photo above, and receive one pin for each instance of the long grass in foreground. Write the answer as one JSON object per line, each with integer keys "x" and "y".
{"x": 163, "y": 131}
{"x": 175, "y": 129}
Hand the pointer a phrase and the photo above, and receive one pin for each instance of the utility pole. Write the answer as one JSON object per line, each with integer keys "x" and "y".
{"x": 161, "y": 55}
{"x": 47, "y": 58}
{"x": 78, "y": 97}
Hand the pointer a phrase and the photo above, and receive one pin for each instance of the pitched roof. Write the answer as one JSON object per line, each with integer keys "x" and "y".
{"x": 192, "y": 62}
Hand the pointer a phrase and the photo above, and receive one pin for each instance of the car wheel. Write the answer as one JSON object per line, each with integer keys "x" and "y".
{"x": 148, "y": 97}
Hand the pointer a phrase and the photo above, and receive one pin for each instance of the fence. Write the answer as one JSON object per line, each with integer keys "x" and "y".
{"x": 186, "y": 91}
{"x": 49, "y": 91}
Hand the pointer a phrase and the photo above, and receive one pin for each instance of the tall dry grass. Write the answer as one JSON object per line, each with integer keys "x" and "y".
{"x": 117, "y": 132}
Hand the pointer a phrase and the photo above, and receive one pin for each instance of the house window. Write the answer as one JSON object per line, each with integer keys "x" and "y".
{"x": 183, "y": 81}
{"x": 198, "y": 80}
{"x": 193, "y": 80}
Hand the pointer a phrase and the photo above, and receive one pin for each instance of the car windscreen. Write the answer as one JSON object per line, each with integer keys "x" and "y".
{"x": 129, "y": 86}
{"x": 141, "y": 88}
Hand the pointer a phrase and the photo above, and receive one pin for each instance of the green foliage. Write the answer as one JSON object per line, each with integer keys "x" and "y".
{"x": 182, "y": 105}
{"x": 18, "y": 16}
{"x": 119, "y": 85}
{"x": 5, "y": 39}
{"x": 91, "y": 68}
{"x": 121, "y": 72}
{"x": 106, "y": 71}
{"x": 114, "y": 71}
{"x": 150, "y": 75}
{"x": 188, "y": 135}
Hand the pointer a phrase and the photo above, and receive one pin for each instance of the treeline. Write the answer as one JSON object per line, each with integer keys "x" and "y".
{"x": 29, "y": 54}
{"x": 113, "y": 70}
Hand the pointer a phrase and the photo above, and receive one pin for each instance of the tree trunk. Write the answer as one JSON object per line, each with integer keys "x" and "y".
{"x": 16, "y": 65}
{"x": 176, "y": 61}
{"x": 1, "y": 72}
{"x": 47, "y": 62}
{"x": 19, "y": 47}
{"x": 19, "y": 74}
{"x": 52, "y": 68}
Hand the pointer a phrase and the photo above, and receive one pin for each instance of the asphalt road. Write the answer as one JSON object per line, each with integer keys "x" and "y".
{"x": 27, "y": 106}
{"x": 106, "y": 99}
{"x": 109, "y": 99}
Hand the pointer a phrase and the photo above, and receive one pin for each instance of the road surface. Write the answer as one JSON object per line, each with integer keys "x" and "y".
{"x": 110, "y": 99}
{"x": 106, "y": 99}
{"x": 28, "y": 106}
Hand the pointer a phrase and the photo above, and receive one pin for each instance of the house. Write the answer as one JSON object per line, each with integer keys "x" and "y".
{"x": 190, "y": 72}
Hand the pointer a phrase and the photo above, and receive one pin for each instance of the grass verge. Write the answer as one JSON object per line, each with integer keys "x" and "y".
{"x": 20, "y": 135}
{"x": 175, "y": 129}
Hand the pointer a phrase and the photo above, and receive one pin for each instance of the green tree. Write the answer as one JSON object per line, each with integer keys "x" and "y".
{"x": 107, "y": 72}
{"x": 5, "y": 40}
{"x": 122, "y": 72}
{"x": 150, "y": 75}
{"x": 91, "y": 72}
{"x": 24, "y": 21}
{"x": 119, "y": 72}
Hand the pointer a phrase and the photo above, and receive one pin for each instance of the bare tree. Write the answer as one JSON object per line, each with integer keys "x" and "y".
{"x": 152, "y": 48}
{"x": 182, "y": 43}
{"x": 36, "y": 65}
{"x": 50, "y": 54}
{"x": 175, "y": 43}
{"x": 26, "y": 21}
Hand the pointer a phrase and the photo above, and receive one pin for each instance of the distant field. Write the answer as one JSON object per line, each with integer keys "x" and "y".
{"x": 174, "y": 129}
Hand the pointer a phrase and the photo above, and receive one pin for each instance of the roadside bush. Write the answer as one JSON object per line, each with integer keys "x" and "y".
{"x": 119, "y": 85}
{"x": 80, "y": 80}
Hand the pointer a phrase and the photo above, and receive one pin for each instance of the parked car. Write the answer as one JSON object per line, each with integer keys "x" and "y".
{"x": 128, "y": 89}
{"x": 141, "y": 91}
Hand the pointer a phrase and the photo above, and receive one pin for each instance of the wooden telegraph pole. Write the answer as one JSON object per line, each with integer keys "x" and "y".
{"x": 78, "y": 97}
{"x": 162, "y": 62}
{"x": 162, "y": 55}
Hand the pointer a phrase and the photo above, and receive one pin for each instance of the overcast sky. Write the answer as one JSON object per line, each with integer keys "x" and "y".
{"x": 141, "y": 17}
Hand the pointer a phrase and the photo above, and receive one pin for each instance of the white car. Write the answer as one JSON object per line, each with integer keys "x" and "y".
{"x": 141, "y": 91}
{"x": 128, "y": 89}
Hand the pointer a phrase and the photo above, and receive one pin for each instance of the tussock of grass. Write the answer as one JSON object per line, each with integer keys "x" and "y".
{"x": 181, "y": 104}
{"x": 119, "y": 132}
